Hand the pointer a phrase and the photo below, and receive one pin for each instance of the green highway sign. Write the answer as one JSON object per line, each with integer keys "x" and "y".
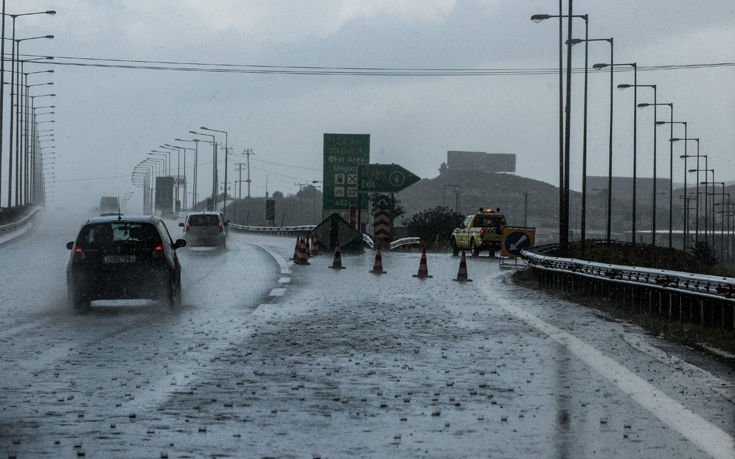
{"x": 384, "y": 178}
{"x": 343, "y": 153}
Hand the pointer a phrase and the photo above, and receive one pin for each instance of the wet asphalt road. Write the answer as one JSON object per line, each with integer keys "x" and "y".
{"x": 269, "y": 359}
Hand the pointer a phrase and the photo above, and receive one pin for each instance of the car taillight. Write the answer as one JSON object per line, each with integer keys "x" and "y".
{"x": 158, "y": 255}
{"x": 482, "y": 232}
{"x": 187, "y": 226}
{"x": 220, "y": 226}
{"x": 79, "y": 256}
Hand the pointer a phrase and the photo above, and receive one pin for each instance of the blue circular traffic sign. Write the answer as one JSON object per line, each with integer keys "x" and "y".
{"x": 517, "y": 241}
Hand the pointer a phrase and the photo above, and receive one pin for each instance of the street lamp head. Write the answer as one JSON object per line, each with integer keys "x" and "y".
{"x": 624, "y": 86}
{"x": 643, "y": 105}
{"x": 540, "y": 17}
{"x": 49, "y": 36}
{"x": 202, "y": 127}
{"x": 574, "y": 41}
{"x": 659, "y": 123}
{"x": 599, "y": 66}
{"x": 51, "y": 12}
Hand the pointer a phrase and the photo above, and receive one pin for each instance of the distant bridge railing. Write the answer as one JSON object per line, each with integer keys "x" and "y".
{"x": 299, "y": 230}
{"x": 7, "y": 230}
{"x": 697, "y": 298}
{"x": 305, "y": 230}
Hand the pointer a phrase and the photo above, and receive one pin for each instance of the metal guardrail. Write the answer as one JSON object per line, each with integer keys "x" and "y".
{"x": 367, "y": 240}
{"x": 722, "y": 288}
{"x": 303, "y": 230}
{"x": 300, "y": 230}
{"x": 405, "y": 241}
{"x": 21, "y": 222}
{"x": 697, "y": 298}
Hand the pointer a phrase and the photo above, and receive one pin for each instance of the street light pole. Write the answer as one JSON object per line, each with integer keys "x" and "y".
{"x": 635, "y": 146}
{"x": 224, "y": 207}
{"x": 672, "y": 123}
{"x": 653, "y": 206}
{"x": 564, "y": 134}
{"x": 706, "y": 208}
{"x": 178, "y": 170}
{"x": 722, "y": 221}
{"x": 538, "y": 18}
{"x": 196, "y": 164}
{"x": 610, "y": 135}
{"x": 248, "y": 152}
{"x": 194, "y": 181}
{"x": 2, "y": 82}
{"x": 671, "y": 158}
{"x": 685, "y": 139}
{"x": 214, "y": 166}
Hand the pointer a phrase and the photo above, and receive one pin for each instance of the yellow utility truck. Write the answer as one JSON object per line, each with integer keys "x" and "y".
{"x": 480, "y": 231}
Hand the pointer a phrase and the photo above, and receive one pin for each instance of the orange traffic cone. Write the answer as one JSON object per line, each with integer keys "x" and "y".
{"x": 378, "y": 265}
{"x": 462, "y": 273}
{"x": 302, "y": 253}
{"x": 295, "y": 257}
{"x": 314, "y": 246}
{"x": 305, "y": 248}
{"x": 423, "y": 269}
{"x": 337, "y": 262}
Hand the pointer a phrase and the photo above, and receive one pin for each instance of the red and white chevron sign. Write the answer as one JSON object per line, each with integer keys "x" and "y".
{"x": 382, "y": 224}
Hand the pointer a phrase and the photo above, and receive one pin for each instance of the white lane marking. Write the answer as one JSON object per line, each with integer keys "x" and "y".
{"x": 277, "y": 292}
{"x": 711, "y": 439}
{"x": 284, "y": 280}
{"x": 282, "y": 262}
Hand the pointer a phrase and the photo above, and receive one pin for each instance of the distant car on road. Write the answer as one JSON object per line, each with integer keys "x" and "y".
{"x": 205, "y": 229}
{"x": 123, "y": 257}
{"x": 109, "y": 205}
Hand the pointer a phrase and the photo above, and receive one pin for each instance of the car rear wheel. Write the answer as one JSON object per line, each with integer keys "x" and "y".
{"x": 76, "y": 301}
{"x": 171, "y": 297}
{"x": 475, "y": 250}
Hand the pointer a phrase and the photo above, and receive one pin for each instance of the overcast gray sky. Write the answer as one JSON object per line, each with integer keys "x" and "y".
{"x": 108, "y": 119}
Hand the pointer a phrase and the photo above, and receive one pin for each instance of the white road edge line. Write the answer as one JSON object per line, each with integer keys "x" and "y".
{"x": 282, "y": 262}
{"x": 711, "y": 439}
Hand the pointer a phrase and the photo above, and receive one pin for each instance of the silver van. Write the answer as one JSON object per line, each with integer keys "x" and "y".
{"x": 205, "y": 229}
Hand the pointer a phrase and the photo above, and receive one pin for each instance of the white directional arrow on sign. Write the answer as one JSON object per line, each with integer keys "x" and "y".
{"x": 519, "y": 242}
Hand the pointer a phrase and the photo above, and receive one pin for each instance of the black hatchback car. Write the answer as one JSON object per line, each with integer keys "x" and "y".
{"x": 123, "y": 257}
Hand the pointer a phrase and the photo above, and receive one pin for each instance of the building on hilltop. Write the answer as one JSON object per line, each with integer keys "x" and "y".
{"x": 478, "y": 161}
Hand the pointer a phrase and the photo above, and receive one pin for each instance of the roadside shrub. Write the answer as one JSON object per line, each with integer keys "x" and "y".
{"x": 434, "y": 226}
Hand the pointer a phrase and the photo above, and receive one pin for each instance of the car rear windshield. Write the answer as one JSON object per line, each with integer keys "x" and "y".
{"x": 488, "y": 220}
{"x": 203, "y": 220}
{"x": 103, "y": 234}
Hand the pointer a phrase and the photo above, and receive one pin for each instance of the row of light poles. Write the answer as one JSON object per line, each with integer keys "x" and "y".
{"x": 564, "y": 139}
{"x": 24, "y": 156}
{"x": 144, "y": 171}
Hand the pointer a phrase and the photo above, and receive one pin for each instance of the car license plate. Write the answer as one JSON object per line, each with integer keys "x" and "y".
{"x": 109, "y": 259}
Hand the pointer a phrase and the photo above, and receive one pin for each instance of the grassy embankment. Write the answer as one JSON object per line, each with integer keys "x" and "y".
{"x": 653, "y": 257}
